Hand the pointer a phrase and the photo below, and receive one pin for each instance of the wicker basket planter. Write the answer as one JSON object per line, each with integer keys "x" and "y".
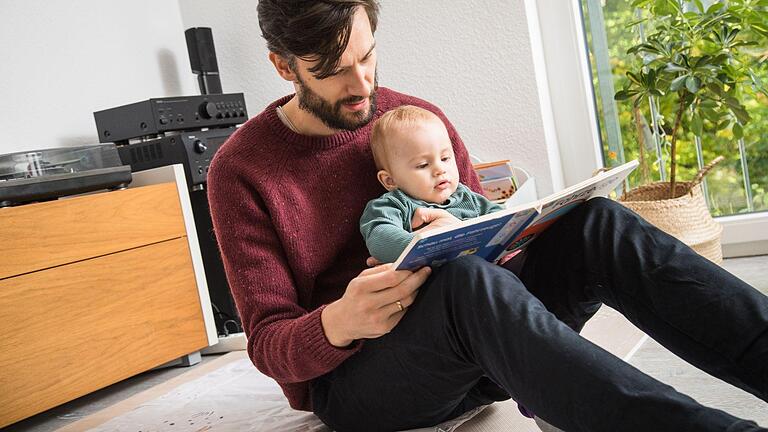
{"x": 685, "y": 217}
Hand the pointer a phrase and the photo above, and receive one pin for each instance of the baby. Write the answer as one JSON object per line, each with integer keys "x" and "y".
{"x": 414, "y": 155}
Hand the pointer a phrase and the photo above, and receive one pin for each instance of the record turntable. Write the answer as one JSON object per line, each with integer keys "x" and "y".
{"x": 41, "y": 175}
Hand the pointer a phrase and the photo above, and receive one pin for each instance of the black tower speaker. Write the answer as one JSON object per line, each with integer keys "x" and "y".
{"x": 202, "y": 58}
{"x": 224, "y": 310}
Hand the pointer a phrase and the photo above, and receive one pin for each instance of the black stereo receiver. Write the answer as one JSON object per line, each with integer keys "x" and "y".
{"x": 159, "y": 115}
{"x": 193, "y": 149}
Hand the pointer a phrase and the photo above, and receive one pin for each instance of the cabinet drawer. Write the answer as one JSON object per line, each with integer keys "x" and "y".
{"x": 73, "y": 329}
{"x": 49, "y": 234}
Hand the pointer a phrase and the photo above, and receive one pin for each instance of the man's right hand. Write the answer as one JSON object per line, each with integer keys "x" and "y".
{"x": 368, "y": 309}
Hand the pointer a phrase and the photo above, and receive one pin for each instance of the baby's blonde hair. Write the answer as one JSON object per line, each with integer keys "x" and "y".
{"x": 396, "y": 119}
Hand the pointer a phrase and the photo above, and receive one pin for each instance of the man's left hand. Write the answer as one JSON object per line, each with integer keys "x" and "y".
{"x": 426, "y": 219}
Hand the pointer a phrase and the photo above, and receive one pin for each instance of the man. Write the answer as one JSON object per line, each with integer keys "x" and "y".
{"x": 377, "y": 349}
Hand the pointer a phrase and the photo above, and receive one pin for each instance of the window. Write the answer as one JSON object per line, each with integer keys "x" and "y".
{"x": 740, "y": 184}
{"x": 570, "y": 97}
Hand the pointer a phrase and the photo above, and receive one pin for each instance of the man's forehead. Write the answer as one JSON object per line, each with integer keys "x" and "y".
{"x": 360, "y": 44}
{"x": 361, "y": 40}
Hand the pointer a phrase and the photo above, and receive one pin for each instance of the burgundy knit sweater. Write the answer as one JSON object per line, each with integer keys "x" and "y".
{"x": 286, "y": 210}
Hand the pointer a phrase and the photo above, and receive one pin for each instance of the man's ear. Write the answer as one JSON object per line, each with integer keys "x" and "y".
{"x": 282, "y": 66}
{"x": 386, "y": 180}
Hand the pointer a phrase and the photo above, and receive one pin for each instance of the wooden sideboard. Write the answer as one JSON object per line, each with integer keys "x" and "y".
{"x": 95, "y": 289}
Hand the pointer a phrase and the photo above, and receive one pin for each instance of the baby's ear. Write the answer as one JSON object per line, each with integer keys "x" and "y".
{"x": 386, "y": 180}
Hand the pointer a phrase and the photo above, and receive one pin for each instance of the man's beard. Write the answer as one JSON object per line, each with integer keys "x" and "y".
{"x": 331, "y": 113}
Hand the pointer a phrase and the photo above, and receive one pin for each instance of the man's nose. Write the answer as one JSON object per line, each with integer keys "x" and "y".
{"x": 360, "y": 83}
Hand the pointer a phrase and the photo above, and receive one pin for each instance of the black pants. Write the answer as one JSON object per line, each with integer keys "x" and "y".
{"x": 478, "y": 333}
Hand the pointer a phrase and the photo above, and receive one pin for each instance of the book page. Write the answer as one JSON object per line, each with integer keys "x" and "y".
{"x": 556, "y": 205}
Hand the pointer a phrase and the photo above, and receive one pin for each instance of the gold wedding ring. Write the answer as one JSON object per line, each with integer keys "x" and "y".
{"x": 399, "y": 305}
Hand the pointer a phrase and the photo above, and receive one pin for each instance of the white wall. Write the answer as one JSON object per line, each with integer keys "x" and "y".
{"x": 61, "y": 61}
{"x": 64, "y": 60}
{"x": 473, "y": 59}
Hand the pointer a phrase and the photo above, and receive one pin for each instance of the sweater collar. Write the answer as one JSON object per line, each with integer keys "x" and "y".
{"x": 319, "y": 142}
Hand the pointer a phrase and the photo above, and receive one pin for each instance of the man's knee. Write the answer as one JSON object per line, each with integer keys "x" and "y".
{"x": 605, "y": 205}
{"x": 471, "y": 268}
{"x": 472, "y": 289}
{"x": 466, "y": 264}
{"x": 470, "y": 276}
{"x": 608, "y": 212}
{"x": 458, "y": 274}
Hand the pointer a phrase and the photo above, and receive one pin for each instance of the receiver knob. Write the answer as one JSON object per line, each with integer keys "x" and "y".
{"x": 208, "y": 110}
{"x": 200, "y": 147}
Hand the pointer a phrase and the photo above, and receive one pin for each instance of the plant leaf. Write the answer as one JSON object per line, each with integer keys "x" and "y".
{"x": 710, "y": 115}
{"x": 714, "y": 8}
{"x": 722, "y": 125}
{"x": 673, "y": 67}
{"x": 741, "y": 114}
{"x": 738, "y": 131}
{"x": 702, "y": 61}
{"x": 763, "y": 30}
{"x": 678, "y": 83}
{"x": 624, "y": 94}
{"x": 697, "y": 125}
{"x": 715, "y": 88}
{"x": 634, "y": 78}
{"x": 693, "y": 84}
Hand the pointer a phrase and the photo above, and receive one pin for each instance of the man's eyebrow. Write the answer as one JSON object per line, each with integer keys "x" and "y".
{"x": 368, "y": 54}
{"x": 365, "y": 57}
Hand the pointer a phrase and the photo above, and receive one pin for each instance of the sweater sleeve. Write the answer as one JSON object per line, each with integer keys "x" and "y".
{"x": 382, "y": 228}
{"x": 484, "y": 205}
{"x": 285, "y": 341}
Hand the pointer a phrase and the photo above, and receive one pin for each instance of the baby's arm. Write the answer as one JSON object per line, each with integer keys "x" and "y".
{"x": 383, "y": 229}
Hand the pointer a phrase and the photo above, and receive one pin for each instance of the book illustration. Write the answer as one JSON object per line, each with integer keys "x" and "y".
{"x": 498, "y": 189}
{"x": 500, "y": 234}
{"x": 496, "y": 179}
{"x": 493, "y": 170}
{"x": 540, "y": 224}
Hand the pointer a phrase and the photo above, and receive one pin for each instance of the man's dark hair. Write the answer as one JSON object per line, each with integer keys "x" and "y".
{"x": 312, "y": 29}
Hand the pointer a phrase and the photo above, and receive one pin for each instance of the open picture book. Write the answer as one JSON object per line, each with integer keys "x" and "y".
{"x": 496, "y": 235}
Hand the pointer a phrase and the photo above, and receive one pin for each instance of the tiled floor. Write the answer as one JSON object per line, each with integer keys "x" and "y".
{"x": 607, "y": 329}
{"x": 661, "y": 364}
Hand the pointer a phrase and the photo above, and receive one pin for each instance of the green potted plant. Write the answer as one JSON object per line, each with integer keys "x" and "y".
{"x": 693, "y": 63}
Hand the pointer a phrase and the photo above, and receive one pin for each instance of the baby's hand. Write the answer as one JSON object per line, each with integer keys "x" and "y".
{"x": 429, "y": 219}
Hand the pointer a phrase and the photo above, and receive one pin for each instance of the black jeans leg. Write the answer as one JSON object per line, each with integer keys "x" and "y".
{"x": 475, "y": 324}
{"x": 603, "y": 252}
